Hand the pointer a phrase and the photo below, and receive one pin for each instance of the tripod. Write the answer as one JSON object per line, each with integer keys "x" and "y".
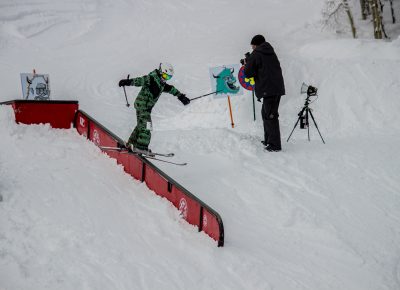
{"x": 303, "y": 117}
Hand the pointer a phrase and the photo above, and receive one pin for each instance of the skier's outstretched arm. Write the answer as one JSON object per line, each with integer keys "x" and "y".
{"x": 141, "y": 81}
{"x": 137, "y": 82}
{"x": 174, "y": 91}
{"x": 171, "y": 90}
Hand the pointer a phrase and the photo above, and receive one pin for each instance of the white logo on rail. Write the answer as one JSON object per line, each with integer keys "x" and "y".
{"x": 82, "y": 122}
{"x": 205, "y": 221}
{"x": 183, "y": 208}
{"x": 96, "y": 137}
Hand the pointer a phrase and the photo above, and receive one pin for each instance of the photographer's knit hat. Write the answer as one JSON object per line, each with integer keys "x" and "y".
{"x": 257, "y": 40}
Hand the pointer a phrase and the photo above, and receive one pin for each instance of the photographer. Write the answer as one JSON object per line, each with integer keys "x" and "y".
{"x": 263, "y": 65}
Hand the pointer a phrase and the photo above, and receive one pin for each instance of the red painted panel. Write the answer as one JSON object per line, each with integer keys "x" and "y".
{"x": 81, "y": 124}
{"x": 156, "y": 182}
{"x": 58, "y": 115}
{"x": 210, "y": 225}
{"x": 135, "y": 167}
{"x": 101, "y": 138}
{"x": 132, "y": 165}
{"x": 123, "y": 159}
{"x": 112, "y": 154}
{"x": 189, "y": 208}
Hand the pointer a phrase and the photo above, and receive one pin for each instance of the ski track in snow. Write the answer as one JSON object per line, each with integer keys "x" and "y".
{"x": 314, "y": 216}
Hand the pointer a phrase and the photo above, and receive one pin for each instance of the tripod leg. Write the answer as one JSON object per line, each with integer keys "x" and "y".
{"x": 308, "y": 124}
{"x": 295, "y": 125}
{"x": 298, "y": 120}
{"x": 316, "y": 126}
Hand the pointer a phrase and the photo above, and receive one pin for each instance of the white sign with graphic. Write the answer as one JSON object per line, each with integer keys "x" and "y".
{"x": 224, "y": 80}
{"x": 35, "y": 86}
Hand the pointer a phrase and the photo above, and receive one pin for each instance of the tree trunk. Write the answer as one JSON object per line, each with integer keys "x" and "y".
{"x": 391, "y": 8}
{"x": 376, "y": 18}
{"x": 350, "y": 15}
{"x": 364, "y": 9}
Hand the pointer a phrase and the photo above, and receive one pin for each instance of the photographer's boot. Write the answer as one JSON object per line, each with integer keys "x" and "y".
{"x": 271, "y": 148}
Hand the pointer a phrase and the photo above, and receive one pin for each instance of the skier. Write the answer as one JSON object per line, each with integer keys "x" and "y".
{"x": 152, "y": 85}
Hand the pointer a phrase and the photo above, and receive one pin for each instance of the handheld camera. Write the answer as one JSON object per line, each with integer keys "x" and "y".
{"x": 244, "y": 60}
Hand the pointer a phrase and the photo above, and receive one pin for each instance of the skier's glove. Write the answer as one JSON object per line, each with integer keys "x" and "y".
{"x": 125, "y": 82}
{"x": 184, "y": 99}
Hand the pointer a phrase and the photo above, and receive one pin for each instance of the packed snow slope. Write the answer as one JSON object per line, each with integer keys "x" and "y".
{"x": 313, "y": 216}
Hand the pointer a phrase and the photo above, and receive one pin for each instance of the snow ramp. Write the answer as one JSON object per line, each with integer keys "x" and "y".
{"x": 63, "y": 114}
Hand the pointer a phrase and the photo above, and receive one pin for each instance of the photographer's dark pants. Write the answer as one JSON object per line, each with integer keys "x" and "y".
{"x": 270, "y": 116}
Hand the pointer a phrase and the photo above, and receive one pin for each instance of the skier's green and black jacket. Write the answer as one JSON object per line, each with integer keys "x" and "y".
{"x": 152, "y": 87}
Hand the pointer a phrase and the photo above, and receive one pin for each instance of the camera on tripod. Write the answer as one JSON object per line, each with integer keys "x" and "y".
{"x": 306, "y": 111}
{"x": 310, "y": 90}
{"x": 244, "y": 60}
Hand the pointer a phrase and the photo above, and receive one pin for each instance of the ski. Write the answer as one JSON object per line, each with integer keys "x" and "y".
{"x": 150, "y": 153}
{"x": 137, "y": 151}
{"x": 166, "y": 161}
{"x": 146, "y": 154}
{"x": 107, "y": 148}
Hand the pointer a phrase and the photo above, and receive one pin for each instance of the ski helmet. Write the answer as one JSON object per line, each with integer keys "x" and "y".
{"x": 166, "y": 71}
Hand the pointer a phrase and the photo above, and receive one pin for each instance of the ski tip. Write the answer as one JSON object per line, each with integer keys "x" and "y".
{"x": 180, "y": 164}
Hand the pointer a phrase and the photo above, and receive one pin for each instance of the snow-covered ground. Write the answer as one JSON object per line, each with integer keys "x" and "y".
{"x": 314, "y": 216}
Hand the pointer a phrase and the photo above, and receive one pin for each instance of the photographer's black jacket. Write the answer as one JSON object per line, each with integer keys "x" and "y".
{"x": 264, "y": 66}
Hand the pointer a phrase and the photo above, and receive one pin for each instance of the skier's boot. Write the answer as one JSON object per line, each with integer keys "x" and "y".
{"x": 145, "y": 151}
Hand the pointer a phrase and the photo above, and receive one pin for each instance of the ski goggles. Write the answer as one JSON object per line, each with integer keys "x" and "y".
{"x": 166, "y": 76}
